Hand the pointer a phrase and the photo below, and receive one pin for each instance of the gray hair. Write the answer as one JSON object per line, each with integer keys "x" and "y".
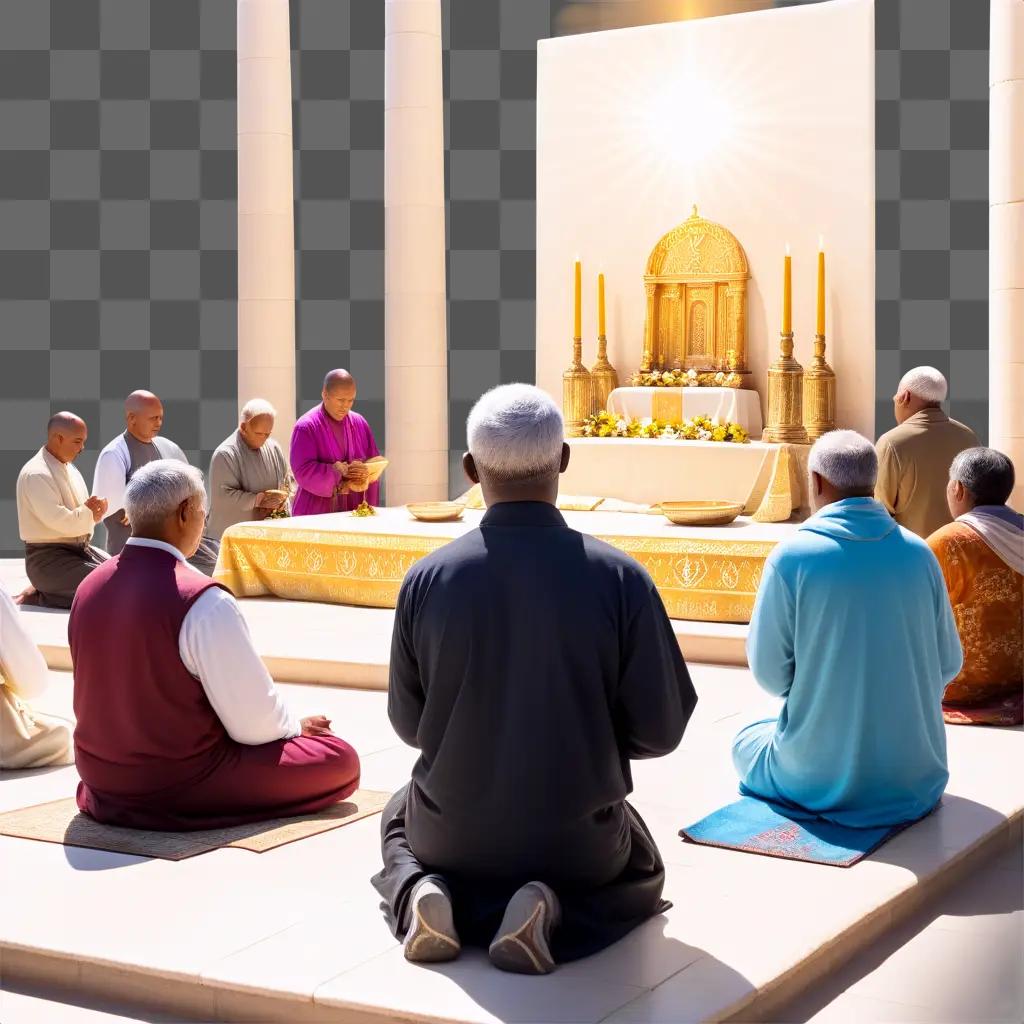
{"x": 159, "y": 488}
{"x": 926, "y": 383}
{"x": 515, "y": 433}
{"x": 846, "y": 459}
{"x": 257, "y": 407}
{"x": 986, "y": 473}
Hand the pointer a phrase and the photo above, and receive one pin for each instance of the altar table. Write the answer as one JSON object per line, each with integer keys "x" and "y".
{"x": 705, "y": 573}
{"x": 727, "y": 405}
{"x": 769, "y": 480}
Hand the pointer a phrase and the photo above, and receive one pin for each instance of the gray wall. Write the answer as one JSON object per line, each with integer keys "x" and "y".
{"x": 117, "y": 212}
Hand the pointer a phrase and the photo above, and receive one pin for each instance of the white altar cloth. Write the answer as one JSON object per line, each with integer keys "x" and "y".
{"x": 736, "y": 405}
{"x": 649, "y": 471}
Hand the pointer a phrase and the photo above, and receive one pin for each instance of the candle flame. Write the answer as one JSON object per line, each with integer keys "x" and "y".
{"x": 787, "y": 248}
{"x": 821, "y": 243}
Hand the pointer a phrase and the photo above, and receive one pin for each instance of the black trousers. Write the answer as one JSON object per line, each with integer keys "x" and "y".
{"x": 593, "y": 917}
{"x": 205, "y": 558}
{"x": 56, "y": 570}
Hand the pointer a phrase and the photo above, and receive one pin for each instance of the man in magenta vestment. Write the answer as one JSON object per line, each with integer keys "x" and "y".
{"x": 330, "y": 446}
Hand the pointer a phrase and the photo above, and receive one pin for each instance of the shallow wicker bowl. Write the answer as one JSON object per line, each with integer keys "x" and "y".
{"x": 701, "y": 513}
{"x": 376, "y": 466}
{"x": 436, "y": 511}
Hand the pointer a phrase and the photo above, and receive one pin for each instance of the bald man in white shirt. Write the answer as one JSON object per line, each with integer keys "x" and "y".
{"x": 57, "y": 516}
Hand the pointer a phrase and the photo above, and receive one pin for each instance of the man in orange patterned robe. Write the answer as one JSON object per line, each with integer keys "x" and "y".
{"x": 982, "y": 558}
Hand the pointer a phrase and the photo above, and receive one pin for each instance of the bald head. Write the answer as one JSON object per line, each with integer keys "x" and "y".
{"x": 338, "y": 378}
{"x": 140, "y": 401}
{"x": 66, "y": 435}
{"x": 64, "y": 423}
{"x": 143, "y": 415}
{"x": 339, "y": 394}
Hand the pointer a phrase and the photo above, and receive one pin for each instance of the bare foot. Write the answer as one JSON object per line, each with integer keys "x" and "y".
{"x": 28, "y": 596}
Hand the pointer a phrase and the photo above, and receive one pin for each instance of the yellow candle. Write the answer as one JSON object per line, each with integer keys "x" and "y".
{"x": 787, "y": 294}
{"x": 577, "y": 329}
{"x": 600, "y": 306}
{"x": 821, "y": 286}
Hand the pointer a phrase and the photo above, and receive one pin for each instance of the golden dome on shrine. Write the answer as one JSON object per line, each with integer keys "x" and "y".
{"x": 697, "y": 250}
{"x": 696, "y": 287}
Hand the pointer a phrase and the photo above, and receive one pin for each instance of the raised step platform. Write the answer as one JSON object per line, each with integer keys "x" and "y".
{"x": 295, "y": 934}
{"x": 337, "y": 645}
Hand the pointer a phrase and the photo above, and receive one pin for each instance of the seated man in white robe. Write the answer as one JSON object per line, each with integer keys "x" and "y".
{"x": 120, "y": 460}
{"x": 28, "y": 739}
{"x": 57, "y": 516}
{"x": 249, "y": 477}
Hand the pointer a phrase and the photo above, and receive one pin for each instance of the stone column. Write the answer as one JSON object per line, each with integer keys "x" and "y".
{"x": 266, "y": 234}
{"x": 415, "y": 334}
{"x": 1006, "y": 236}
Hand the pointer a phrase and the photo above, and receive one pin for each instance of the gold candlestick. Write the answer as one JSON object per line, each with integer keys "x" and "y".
{"x": 603, "y": 376}
{"x": 785, "y": 397}
{"x": 577, "y": 392}
{"x": 819, "y": 393}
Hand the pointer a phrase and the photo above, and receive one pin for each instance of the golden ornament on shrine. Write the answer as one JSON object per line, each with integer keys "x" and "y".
{"x": 696, "y": 284}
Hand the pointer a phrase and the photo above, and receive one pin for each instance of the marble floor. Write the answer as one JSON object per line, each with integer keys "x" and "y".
{"x": 296, "y": 934}
{"x": 334, "y": 645}
{"x": 959, "y": 958}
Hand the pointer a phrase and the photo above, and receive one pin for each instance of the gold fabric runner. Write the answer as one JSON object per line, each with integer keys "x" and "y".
{"x": 707, "y": 575}
{"x": 667, "y": 405}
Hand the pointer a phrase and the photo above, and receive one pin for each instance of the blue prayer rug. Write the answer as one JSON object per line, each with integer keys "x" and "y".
{"x": 755, "y": 826}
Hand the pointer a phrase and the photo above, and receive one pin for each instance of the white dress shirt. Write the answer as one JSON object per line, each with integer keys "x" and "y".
{"x": 215, "y": 646}
{"x": 110, "y": 478}
{"x": 21, "y": 663}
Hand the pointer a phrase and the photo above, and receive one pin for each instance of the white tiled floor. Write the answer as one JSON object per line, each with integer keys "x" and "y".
{"x": 335, "y": 645}
{"x": 960, "y": 958}
{"x": 302, "y": 921}
{"x": 37, "y": 1006}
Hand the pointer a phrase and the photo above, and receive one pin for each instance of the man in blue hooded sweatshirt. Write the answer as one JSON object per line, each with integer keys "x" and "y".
{"x": 852, "y": 627}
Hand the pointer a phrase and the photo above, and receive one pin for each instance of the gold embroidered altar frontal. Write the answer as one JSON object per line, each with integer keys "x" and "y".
{"x": 708, "y": 574}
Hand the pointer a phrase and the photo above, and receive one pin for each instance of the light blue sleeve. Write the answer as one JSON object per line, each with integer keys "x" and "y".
{"x": 951, "y": 654}
{"x": 770, "y": 641}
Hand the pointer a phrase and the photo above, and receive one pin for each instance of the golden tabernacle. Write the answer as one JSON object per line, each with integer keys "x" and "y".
{"x": 704, "y": 573}
{"x": 696, "y": 284}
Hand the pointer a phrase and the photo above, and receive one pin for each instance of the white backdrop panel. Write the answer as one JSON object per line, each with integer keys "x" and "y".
{"x": 766, "y": 121}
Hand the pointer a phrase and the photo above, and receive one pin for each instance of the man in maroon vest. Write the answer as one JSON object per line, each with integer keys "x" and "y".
{"x": 179, "y": 724}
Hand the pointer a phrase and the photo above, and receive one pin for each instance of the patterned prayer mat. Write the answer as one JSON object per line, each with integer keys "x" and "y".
{"x": 755, "y": 826}
{"x": 60, "y": 822}
{"x": 1003, "y": 711}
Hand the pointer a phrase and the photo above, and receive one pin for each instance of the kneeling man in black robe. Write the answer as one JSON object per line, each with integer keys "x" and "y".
{"x": 530, "y": 664}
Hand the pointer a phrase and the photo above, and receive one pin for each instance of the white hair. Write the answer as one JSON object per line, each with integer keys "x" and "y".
{"x": 986, "y": 473}
{"x": 159, "y": 488}
{"x": 257, "y": 407}
{"x": 515, "y": 432}
{"x": 846, "y": 459}
{"x": 925, "y": 382}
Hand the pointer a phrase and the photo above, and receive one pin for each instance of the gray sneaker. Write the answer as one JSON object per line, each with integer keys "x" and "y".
{"x": 431, "y": 937}
{"x": 522, "y": 944}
